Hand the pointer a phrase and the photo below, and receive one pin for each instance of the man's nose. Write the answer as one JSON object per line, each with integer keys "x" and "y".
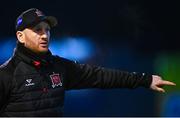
{"x": 44, "y": 34}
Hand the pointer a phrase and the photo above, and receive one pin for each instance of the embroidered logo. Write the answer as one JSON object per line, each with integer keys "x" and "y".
{"x": 29, "y": 82}
{"x": 56, "y": 80}
{"x": 39, "y": 13}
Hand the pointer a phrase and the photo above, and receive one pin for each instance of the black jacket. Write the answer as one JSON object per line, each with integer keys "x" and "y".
{"x": 34, "y": 85}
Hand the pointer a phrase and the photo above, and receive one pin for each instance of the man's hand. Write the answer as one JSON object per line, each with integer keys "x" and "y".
{"x": 158, "y": 83}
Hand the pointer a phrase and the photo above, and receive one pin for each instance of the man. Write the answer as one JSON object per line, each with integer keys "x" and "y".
{"x": 33, "y": 81}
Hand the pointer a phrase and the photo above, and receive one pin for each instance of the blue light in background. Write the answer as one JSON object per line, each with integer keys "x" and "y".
{"x": 171, "y": 106}
{"x": 73, "y": 48}
{"x": 6, "y": 48}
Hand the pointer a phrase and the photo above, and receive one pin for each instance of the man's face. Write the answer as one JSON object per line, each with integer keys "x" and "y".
{"x": 37, "y": 38}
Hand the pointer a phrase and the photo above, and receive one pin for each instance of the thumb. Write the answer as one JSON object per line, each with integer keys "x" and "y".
{"x": 160, "y": 90}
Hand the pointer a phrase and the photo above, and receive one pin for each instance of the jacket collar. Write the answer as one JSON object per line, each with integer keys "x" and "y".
{"x": 30, "y": 57}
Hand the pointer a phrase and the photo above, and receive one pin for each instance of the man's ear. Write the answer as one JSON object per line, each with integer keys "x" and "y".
{"x": 20, "y": 36}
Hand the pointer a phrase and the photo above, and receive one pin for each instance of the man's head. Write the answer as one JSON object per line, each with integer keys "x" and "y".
{"x": 33, "y": 30}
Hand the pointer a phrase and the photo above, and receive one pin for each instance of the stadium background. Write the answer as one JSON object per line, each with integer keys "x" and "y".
{"x": 131, "y": 35}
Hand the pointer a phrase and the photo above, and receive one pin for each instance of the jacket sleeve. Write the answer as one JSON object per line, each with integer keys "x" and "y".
{"x": 1, "y": 93}
{"x": 86, "y": 76}
{"x": 4, "y": 87}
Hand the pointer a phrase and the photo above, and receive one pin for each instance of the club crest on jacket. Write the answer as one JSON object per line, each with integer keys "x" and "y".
{"x": 56, "y": 80}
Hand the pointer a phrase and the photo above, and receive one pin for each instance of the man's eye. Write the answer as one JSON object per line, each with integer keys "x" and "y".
{"x": 38, "y": 29}
{"x": 47, "y": 29}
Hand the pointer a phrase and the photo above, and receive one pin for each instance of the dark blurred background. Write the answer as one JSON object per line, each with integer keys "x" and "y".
{"x": 131, "y": 35}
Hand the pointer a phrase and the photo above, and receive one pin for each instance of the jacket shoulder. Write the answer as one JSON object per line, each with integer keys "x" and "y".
{"x": 7, "y": 68}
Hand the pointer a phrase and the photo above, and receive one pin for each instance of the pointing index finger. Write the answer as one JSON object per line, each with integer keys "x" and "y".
{"x": 168, "y": 83}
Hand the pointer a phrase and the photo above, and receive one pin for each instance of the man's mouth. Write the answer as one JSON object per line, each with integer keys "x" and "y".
{"x": 44, "y": 44}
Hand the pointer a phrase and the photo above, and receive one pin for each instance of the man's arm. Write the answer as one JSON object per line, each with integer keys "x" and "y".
{"x": 85, "y": 76}
{"x": 2, "y": 92}
{"x": 5, "y": 86}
